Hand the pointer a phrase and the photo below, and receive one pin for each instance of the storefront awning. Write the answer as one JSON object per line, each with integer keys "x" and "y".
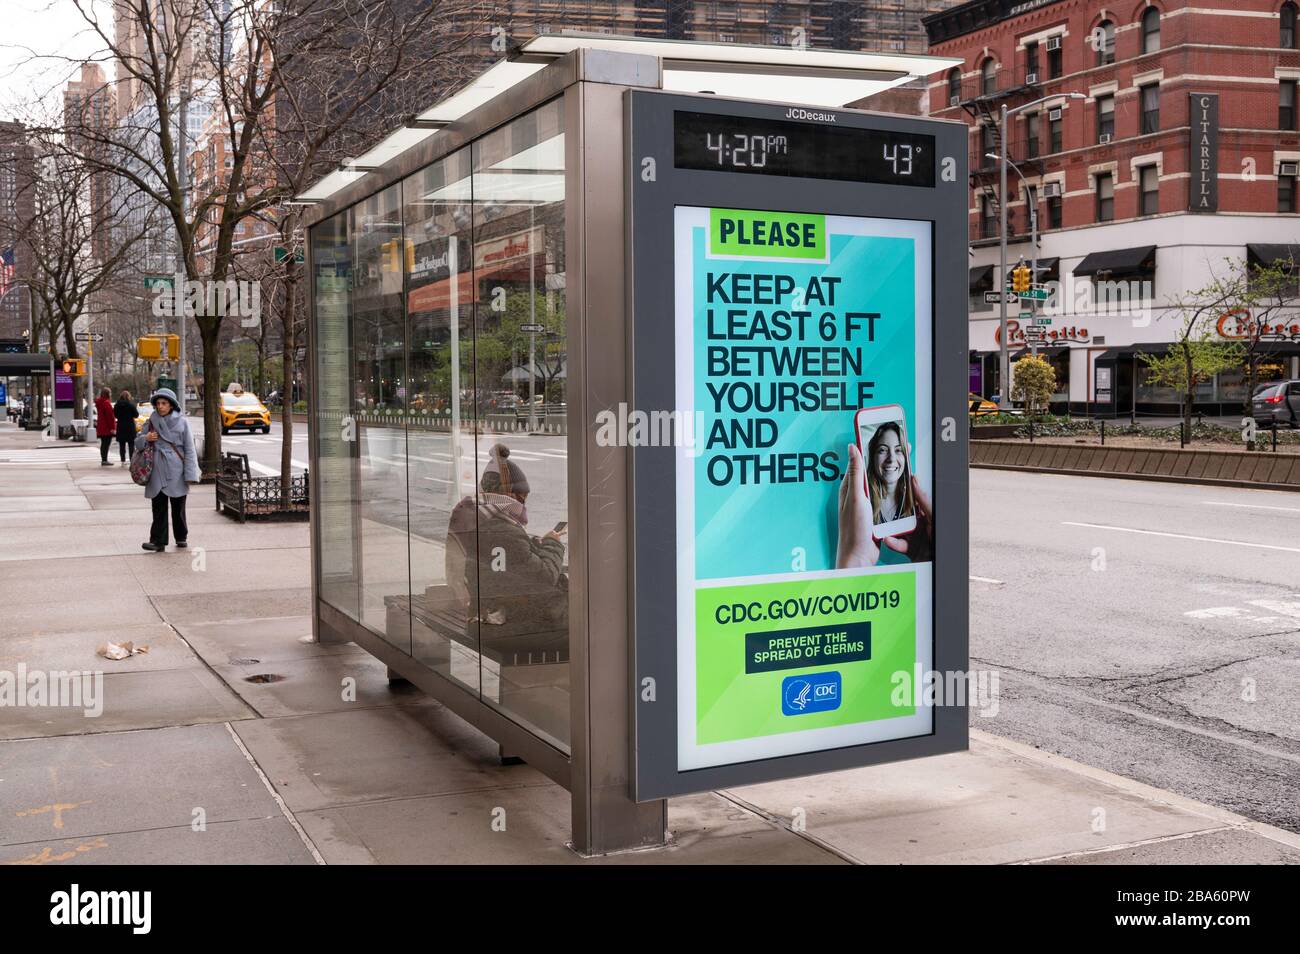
{"x": 981, "y": 278}
{"x": 1044, "y": 351}
{"x": 1117, "y": 262}
{"x": 1266, "y": 256}
{"x": 1127, "y": 352}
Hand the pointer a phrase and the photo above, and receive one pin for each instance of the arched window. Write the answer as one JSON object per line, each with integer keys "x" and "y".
{"x": 954, "y": 86}
{"x": 989, "y": 77}
{"x": 1286, "y": 16}
{"x": 1150, "y": 30}
{"x": 1103, "y": 39}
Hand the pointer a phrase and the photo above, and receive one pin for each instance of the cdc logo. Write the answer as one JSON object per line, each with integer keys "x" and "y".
{"x": 818, "y": 692}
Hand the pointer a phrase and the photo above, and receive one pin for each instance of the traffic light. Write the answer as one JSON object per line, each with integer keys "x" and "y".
{"x": 74, "y": 366}
{"x": 1020, "y": 279}
{"x": 150, "y": 347}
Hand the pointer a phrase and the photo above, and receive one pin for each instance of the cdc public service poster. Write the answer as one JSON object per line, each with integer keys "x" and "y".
{"x": 798, "y": 335}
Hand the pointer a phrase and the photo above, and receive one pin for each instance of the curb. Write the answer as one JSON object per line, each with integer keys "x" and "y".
{"x": 1115, "y": 475}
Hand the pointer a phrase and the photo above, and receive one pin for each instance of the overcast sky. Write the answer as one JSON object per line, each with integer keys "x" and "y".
{"x": 41, "y": 43}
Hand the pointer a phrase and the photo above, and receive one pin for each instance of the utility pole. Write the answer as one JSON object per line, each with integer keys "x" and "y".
{"x": 182, "y": 177}
{"x": 1004, "y": 363}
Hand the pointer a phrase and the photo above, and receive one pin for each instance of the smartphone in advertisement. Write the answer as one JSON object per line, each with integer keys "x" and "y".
{"x": 882, "y": 439}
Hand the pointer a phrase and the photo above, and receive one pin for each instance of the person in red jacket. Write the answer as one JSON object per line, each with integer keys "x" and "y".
{"x": 105, "y": 425}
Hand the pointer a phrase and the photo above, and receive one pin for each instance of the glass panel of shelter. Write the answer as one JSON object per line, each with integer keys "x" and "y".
{"x": 521, "y": 571}
{"x": 380, "y": 397}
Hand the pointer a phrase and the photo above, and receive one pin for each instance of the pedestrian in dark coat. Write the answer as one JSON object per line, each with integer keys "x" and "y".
{"x": 126, "y": 412}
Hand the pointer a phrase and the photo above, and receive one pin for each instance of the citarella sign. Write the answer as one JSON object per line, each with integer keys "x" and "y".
{"x": 1016, "y": 334}
{"x": 1240, "y": 325}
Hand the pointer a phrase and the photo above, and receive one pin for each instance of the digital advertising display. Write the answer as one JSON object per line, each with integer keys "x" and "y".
{"x": 800, "y": 549}
{"x": 800, "y": 335}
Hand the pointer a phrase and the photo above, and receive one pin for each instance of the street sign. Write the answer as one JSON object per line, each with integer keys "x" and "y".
{"x": 281, "y": 253}
{"x": 1026, "y": 315}
{"x": 1037, "y": 294}
{"x": 995, "y": 298}
{"x": 532, "y": 329}
{"x": 1035, "y": 333}
{"x": 1042, "y": 321}
{"x": 154, "y": 282}
{"x": 88, "y": 335}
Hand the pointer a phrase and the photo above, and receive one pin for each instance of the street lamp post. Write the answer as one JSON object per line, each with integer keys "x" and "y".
{"x": 1033, "y": 242}
{"x": 1004, "y": 390}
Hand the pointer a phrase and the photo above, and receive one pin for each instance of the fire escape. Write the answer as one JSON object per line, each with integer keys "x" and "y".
{"x": 982, "y": 98}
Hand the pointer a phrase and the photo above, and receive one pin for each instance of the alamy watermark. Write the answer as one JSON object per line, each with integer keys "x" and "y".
{"x": 59, "y": 689}
{"x": 201, "y": 298}
{"x": 954, "y": 687}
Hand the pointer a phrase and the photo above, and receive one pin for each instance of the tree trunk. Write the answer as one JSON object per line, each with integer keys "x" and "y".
{"x": 210, "y": 463}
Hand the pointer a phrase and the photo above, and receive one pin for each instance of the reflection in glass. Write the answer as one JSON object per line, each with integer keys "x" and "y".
{"x": 334, "y": 501}
{"x": 379, "y": 402}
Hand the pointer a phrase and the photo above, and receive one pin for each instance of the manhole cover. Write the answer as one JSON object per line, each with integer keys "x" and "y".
{"x": 263, "y": 677}
{"x": 244, "y": 662}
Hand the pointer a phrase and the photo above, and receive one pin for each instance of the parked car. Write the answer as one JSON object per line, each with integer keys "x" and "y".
{"x": 1277, "y": 402}
{"x": 980, "y": 407}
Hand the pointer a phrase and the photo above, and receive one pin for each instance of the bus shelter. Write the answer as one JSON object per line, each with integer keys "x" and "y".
{"x": 597, "y": 234}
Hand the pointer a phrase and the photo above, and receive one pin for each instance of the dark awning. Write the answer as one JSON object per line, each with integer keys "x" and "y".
{"x": 1044, "y": 351}
{"x": 981, "y": 278}
{"x": 1265, "y": 256}
{"x": 1128, "y": 351}
{"x": 1118, "y": 261}
{"x": 1049, "y": 270}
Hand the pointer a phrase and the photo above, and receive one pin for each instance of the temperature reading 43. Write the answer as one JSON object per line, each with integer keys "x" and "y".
{"x": 899, "y": 157}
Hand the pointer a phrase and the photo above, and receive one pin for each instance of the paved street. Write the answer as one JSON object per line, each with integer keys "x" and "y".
{"x": 1146, "y": 628}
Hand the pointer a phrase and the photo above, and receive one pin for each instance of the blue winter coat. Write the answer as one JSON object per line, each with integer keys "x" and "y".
{"x": 175, "y": 461}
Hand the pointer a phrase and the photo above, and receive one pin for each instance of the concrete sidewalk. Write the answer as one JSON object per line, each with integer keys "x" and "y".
{"x": 195, "y": 761}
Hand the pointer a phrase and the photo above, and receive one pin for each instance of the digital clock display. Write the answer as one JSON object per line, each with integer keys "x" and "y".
{"x": 772, "y": 147}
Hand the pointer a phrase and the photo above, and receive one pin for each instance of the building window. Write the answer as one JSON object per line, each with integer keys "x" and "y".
{"x": 1054, "y": 59}
{"x": 1031, "y": 134}
{"x": 1055, "y": 129}
{"x": 1150, "y": 108}
{"x": 988, "y": 144}
{"x": 954, "y": 86}
{"x": 988, "y": 218}
{"x": 1031, "y": 209}
{"x": 1286, "y": 18}
{"x": 1105, "y": 118}
{"x": 1286, "y": 194}
{"x": 1031, "y": 62}
{"x": 1103, "y": 41}
{"x": 1054, "y": 212}
{"x": 1105, "y": 197}
{"x": 1150, "y": 30}
{"x": 1286, "y": 105}
{"x": 989, "y": 77}
{"x": 1149, "y": 185}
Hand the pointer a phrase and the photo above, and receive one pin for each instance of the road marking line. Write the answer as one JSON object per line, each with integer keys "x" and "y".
{"x": 1220, "y": 503}
{"x": 985, "y": 579}
{"x": 262, "y": 469}
{"x": 1181, "y": 536}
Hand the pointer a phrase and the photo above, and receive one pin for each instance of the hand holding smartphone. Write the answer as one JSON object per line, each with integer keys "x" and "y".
{"x": 882, "y": 439}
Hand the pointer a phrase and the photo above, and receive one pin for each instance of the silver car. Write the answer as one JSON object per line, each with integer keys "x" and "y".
{"x": 1277, "y": 402}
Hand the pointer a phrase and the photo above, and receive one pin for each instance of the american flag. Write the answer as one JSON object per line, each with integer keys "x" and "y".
{"x": 6, "y": 270}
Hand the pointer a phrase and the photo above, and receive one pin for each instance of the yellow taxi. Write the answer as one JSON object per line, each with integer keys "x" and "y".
{"x": 980, "y": 407}
{"x": 240, "y": 408}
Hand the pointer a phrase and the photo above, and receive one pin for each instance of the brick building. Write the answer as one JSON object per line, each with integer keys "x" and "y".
{"x": 1181, "y": 153}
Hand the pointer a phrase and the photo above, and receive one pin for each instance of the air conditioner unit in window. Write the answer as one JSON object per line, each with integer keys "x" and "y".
{"x": 1054, "y": 114}
{"x": 1053, "y": 42}
{"x": 1031, "y": 78}
{"x": 1289, "y": 169}
{"x": 1104, "y": 138}
{"x": 954, "y": 100}
{"x": 1052, "y": 190}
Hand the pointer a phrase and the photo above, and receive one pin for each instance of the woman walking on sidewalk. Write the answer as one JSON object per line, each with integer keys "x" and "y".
{"x": 126, "y": 412}
{"x": 175, "y": 463}
{"x": 105, "y": 425}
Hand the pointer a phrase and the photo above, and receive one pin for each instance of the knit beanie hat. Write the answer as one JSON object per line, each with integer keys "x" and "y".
{"x": 502, "y": 475}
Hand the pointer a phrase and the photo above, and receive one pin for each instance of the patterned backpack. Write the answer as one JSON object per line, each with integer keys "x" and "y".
{"x": 142, "y": 462}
